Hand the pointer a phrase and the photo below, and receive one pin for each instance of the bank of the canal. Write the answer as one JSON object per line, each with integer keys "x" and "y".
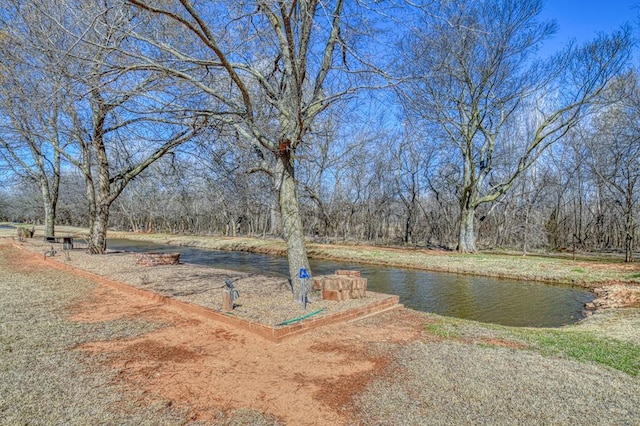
{"x": 610, "y": 328}
{"x": 583, "y": 272}
{"x": 588, "y": 271}
{"x": 478, "y": 298}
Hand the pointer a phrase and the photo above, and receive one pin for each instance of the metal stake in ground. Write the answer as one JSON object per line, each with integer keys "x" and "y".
{"x": 304, "y": 281}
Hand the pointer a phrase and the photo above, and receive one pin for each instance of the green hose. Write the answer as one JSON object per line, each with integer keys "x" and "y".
{"x": 287, "y": 322}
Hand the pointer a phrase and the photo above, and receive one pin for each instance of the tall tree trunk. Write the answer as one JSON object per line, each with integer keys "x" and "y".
{"x": 49, "y": 219}
{"x": 408, "y": 228}
{"x": 49, "y": 205}
{"x": 525, "y": 233}
{"x": 629, "y": 229}
{"x": 628, "y": 247}
{"x": 291, "y": 220}
{"x": 466, "y": 236}
{"x": 98, "y": 231}
{"x": 91, "y": 202}
{"x": 50, "y": 189}
{"x": 411, "y": 217}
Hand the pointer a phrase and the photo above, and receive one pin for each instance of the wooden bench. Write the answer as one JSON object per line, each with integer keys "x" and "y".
{"x": 67, "y": 242}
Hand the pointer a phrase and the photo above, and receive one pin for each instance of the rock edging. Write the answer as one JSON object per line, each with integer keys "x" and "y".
{"x": 155, "y": 259}
{"x": 615, "y": 296}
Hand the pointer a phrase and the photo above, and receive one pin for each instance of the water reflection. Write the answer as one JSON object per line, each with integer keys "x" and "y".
{"x": 506, "y": 302}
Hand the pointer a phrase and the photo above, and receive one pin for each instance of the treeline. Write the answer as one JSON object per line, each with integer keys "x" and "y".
{"x": 428, "y": 123}
{"x": 562, "y": 204}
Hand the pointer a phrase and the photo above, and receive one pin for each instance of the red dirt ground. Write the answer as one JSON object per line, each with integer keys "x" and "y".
{"x": 209, "y": 367}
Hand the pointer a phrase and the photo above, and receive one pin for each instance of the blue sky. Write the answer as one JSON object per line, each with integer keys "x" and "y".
{"x": 582, "y": 20}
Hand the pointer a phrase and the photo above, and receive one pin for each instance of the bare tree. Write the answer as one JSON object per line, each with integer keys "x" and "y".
{"x": 410, "y": 162}
{"x": 115, "y": 122}
{"x": 267, "y": 69}
{"x": 32, "y": 101}
{"x": 474, "y": 72}
{"x": 613, "y": 153}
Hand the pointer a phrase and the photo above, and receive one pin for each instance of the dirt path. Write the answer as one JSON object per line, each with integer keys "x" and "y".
{"x": 206, "y": 365}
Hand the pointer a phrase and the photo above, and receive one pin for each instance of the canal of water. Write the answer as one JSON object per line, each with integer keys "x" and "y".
{"x": 498, "y": 301}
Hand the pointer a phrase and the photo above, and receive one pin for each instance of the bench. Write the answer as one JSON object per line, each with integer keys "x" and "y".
{"x": 67, "y": 242}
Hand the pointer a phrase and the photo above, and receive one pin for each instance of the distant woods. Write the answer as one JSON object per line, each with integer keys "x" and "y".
{"x": 431, "y": 125}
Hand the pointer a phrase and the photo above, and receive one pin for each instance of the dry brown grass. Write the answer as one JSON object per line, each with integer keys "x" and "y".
{"x": 455, "y": 372}
{"x": 452, "y": 372}
{"x": 44, "y": 381}
{"x": 454, "y": 383}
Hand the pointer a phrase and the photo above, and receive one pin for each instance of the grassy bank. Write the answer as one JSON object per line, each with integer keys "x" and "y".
{"x": 612, "y": 340}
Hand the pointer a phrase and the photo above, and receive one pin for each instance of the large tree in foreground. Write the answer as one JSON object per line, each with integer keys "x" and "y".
{"x": 474, "y": 75}
{"x": 265, "y": 68}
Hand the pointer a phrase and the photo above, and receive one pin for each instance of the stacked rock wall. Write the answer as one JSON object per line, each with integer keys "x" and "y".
{"x": 343, "y": 285}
